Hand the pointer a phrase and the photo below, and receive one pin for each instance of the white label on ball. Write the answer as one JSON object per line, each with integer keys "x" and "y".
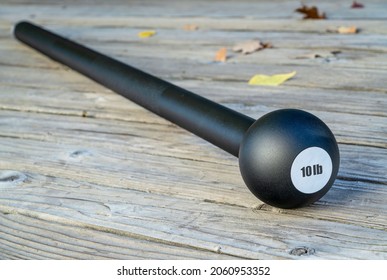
{"x": 311, "y": 170}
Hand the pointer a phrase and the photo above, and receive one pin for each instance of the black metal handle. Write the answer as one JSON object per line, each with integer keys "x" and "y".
{"x": 213, "y": 122}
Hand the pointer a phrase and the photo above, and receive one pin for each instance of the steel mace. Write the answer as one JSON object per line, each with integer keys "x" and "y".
{"x": 288, "y": 158}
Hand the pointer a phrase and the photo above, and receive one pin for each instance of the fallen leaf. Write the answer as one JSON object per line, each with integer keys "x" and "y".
{"x": 251, "y": 46}
{"x": 343, "y": 29}
{"x": 267, "y": 45}
{"x": 357, "y": 5}
{"x": 347, "y": 30}
{"x": 274, "y": 80}
{"x": 321, "y": 54}
{"x": 190, "y": 27}
{"x": 146, "y": 33}
{"x": 310, "y": 12}
{"x": 221, "y": 55}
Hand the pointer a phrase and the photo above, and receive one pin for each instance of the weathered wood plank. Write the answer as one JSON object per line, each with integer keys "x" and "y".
{"x": 26, "y": 236}
{"x": 109, "y": 153}
{"x": 288, "y": 44}
{"x": 180, "y": 221}
{"x": 214, "y": 9}
{"x": 255, "y": 104}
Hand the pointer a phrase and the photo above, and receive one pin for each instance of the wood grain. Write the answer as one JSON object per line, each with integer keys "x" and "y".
{"x": 86, "y": 174}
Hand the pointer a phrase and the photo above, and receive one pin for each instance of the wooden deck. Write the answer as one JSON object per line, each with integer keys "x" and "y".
{"x": 86, "y": 174}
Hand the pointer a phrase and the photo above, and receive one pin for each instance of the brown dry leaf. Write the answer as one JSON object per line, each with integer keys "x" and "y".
{"x": 321, "y": 54}
{"x": 266, "y": 45}
{"x": 251, "y": 46}
{"x": 357, "y": 5}
{"x": 221, "y": 55}
{"x": 344, "y": 29}
{"x": 190, "y": 27}
{"x": 310, "y": 12}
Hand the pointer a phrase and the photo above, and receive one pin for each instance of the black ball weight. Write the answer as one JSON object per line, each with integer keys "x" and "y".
{"x": 289, "y": 158}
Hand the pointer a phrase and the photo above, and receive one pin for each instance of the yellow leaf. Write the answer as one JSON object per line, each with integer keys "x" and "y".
{"x": 146, "y": 33}
{"x": 275, "y": 80}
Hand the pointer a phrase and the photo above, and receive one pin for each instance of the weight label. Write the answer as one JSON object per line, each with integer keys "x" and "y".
{"x": 307, "y": 170}
{"x": 311, "y": 170}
